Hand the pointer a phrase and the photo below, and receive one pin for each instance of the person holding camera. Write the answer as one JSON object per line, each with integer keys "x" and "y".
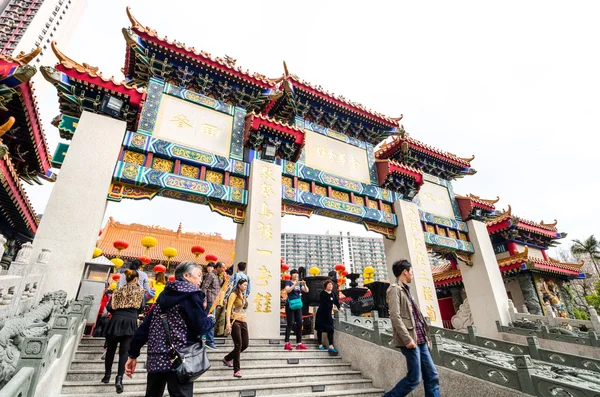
{"x": 293, "y": 309}
{"x": 235, "y": 321}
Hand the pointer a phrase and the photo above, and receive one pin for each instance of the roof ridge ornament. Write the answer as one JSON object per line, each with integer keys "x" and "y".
{"x": 71, "y": 64}
{"x": 4, "y": 128}
{"x": 549, "y": 224}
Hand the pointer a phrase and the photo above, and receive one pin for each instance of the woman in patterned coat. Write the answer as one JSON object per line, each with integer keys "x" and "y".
{"x": 182, "y": 302}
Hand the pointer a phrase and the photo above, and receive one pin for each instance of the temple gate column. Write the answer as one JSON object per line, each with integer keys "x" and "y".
{"x": 483, "y": 283}
{"x": 258, "y": 243}
{"x": 410, "y": 245}
{"x": 74, "y": 213}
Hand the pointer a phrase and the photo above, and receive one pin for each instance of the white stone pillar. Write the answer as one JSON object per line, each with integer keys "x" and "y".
{"x": 258, "y": 242}
{"x": 74, "y": 212}
{"x": 483, "y": 283}
{"x": 410, "y": 245}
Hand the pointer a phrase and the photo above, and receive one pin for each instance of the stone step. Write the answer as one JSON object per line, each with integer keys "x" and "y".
{"x": 218, "y": 369}
{"x": 218, "y": 354}
{"x": 226, "y": 348}
{"x": 97, "y": 364}
{"x": 227, "y": 383}
{"x": 253, "y": 342}
{"x": 358, "y": 387}
{"x": 370, "y": 392}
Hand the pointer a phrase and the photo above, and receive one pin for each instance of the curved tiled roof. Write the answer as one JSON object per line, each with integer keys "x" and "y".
{"x": 508, "y": 215}
{"x": 181, "y": 241}
{"x": 90, "y": 70}
{"x": 524, "y": 257}
{"x": 137, "y": 26}
{"x": 388, "y": 148}
{"x": 479, "y": 200}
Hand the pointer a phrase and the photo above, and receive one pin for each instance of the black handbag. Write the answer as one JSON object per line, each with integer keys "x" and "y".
{"x": 189, "y": 362}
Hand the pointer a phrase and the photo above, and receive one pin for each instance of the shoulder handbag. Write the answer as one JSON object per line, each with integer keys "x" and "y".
{"x": 295, "y": 303}
{"x": 189, "y": 362}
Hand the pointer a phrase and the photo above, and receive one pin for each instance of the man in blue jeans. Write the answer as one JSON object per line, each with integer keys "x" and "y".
{"x": 411, "y": 334}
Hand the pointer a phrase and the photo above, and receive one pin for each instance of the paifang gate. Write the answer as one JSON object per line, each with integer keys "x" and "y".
{"x": 200, "y": 129}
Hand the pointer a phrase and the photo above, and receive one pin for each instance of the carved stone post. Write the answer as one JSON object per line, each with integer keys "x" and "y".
{"x": 524, "y": 369}
{"x": 472, "y": 330}
{"x": 511, "y": 310}
{"x": 534, "y": 347}
{"x": 436, "y": 346}
{"x": 376, "y": 329}
{"x": 61, "y": 325}
{"x": 594, "y": 319}
{"x": 32, "y": 355}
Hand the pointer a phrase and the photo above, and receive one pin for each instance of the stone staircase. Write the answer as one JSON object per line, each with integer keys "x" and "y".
{"x": 268, "y": 371}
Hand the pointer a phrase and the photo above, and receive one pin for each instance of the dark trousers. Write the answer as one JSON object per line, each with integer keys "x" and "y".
{"x": 420, "y": 365}
{"x": 293, "y": 317}
{"x": 329, "y": 337}
{"x": 155, "y": 386}
{"x": 111, "y": 348}
{"x": 239, "y": 334}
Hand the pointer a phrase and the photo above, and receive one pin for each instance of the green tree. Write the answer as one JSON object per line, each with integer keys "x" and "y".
{"x": 594, "y": 299}
{"x": 590, "y": 248}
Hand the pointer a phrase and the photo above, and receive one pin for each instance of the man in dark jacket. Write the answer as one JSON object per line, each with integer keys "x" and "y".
{"x": 182, "y": 302}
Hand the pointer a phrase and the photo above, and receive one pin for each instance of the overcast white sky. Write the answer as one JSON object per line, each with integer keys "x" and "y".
{"x": 514, "y": 82}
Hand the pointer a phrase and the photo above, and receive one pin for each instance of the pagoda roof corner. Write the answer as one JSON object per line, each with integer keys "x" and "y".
{"x": 22, "y": 58}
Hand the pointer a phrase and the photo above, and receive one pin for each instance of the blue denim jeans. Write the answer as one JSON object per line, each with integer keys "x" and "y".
{"x": 210, "y": 335}
{"x": 419, "y": 365}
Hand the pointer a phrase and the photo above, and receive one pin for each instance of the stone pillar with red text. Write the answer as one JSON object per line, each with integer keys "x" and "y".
{"x": 258, "y": 243}
{"x": 410, "y": 245}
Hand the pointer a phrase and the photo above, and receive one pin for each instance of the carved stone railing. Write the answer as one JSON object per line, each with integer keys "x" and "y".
{"x": 550, "y": 319}
{"x": 591, "y": 338}
{"x": 526, "y": 368}
{"x": 32, "y": 342}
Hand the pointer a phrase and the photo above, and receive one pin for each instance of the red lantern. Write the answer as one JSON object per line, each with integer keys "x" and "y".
{"x": 285, "y": 267}
{"x": 121, "y": 245}
{"x": 211, "y": 258}
{"x": 345, "y": 273}
{"x": 160, "y": 269}
{"x": 339, "y": 267}
{"x": 171, "y": 278}
{"x": 285, "y": 277}
{"x": 196, "y": 249}
{"x": 145, "y": 260}
{"x": 116, "y": 276}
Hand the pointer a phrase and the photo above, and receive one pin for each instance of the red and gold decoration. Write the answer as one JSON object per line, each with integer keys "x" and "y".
{"x": 284, "y": 268}
{"x": 160, "y": 269}
{"x": 116, "y": 276}
{"x": 197, "y": 250}
{"x": 171, "y": 278}
{"x": 314, "y": 271}
{"x": 149, "y": 242}
{"x": 340, "y": 269}
{"x": 120, "y": 245}
{"x": 170, "y": 253}
{"x": 97, "y": 252}
{"x": 211, "y": 258}
{"x": 145, "y": 260}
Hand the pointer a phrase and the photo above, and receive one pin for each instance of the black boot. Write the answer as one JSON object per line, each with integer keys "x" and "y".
{"x": 106, "y": 378}
{"x": 119, "y": 384}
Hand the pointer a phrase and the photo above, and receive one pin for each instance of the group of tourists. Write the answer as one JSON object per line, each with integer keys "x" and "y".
{"x": 184, "y": 311}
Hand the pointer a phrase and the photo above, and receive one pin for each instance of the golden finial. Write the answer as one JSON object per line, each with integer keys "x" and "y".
{"x": 549, "y": 224}
{"x": 134, "y": 22}
{"x": 24, "y": 59}
{"x": 468, "y": 160}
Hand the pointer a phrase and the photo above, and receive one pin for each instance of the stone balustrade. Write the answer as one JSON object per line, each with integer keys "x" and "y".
{"x": 550, "y": 319}
{"x": 32, "y": 342}
{"x": 525, "y": 368}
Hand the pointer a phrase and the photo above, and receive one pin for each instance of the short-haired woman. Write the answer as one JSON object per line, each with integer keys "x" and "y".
{"x": 235, "y": 321}
{"x": 125, "y": 304}
{"x": 328, "y": 303}
{"x": 293, "y": 309}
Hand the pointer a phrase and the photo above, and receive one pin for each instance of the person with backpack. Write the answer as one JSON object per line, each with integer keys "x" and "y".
{"x": 293, "y": 309}
{"x": 241, "y": 274}
{"x": 181, "y": 305}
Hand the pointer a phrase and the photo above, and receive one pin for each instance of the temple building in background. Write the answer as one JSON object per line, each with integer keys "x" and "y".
{"x": 23, "y": 153}
{"x": 182, "y": 241}
{"x": 327, "y": 250}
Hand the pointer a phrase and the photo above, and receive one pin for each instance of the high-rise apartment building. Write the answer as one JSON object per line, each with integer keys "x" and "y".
{"x": 26, "y": 24}
{"x": 327, "y": 250}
